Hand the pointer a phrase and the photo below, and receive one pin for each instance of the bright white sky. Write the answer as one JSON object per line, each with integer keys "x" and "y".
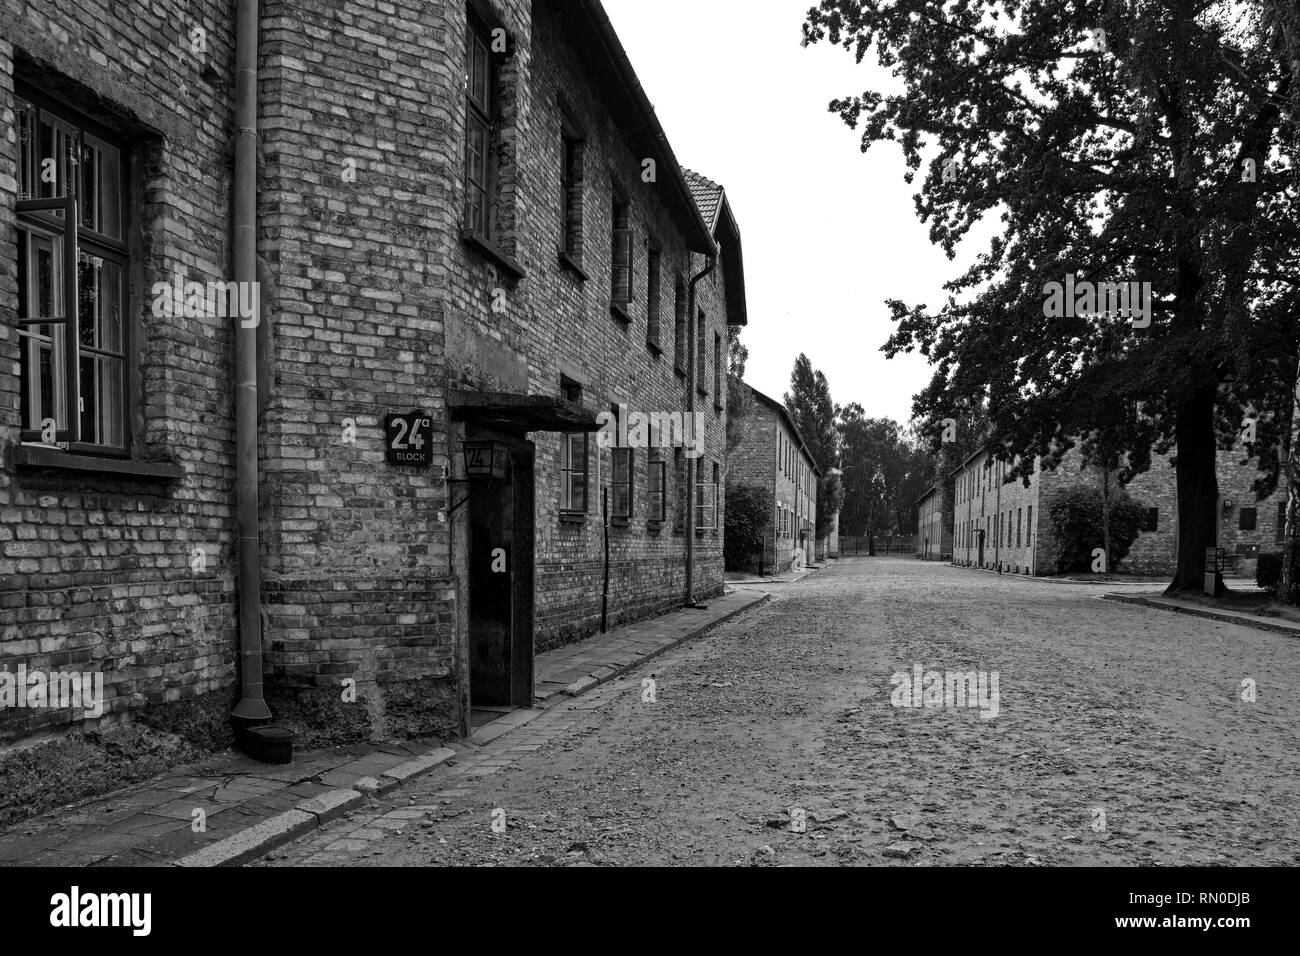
{"x": 829, "y": 233}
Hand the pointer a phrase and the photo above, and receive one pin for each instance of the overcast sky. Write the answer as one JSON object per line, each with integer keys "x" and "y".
{"x": 829, "y": 233}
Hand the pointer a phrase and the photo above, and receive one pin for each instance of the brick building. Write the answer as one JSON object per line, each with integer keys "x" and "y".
{"x": 933, "y": 534}
{"x": 1000, "y": 524}
{"x": 468, "y": 216}
{"x": 770, "y": 454}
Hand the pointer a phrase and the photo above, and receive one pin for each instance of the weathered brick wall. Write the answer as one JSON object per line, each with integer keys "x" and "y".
{"x": 557, "y": 324}
{"x": 753, "y": 462}
{"x": 94, "y": 569}
{"x": 930, "y": 527}
{"x": 371, "y": 303}
{"x": 1012, "y": 543}
{"x": 792, "y": 493}
{"x": 1153, "y": 553}
{"x": 357, "y": 105}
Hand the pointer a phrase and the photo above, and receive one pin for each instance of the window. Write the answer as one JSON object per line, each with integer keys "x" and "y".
{"x": 573, "y": 474}
{"x": 701, "y": 352}
{"x": 480, "y": 114}
{"x": 1248, "y": 519}
{"x": 1029, "y": 524}
{"x": 1020, "y": 514}
{"x": 717, "y": 372}
{"x": 1280, "y": 533}
{"x": 571, "y": 179}
{"x": 706, "y": 501}
{"x": 679, "y": 328}
{"x": 1152, "y": 522}
{"x": 656, "y": 491}
{"x": 652, "y": 295}
{"x": 621, "y": 246}
{"x": 621, "y": 483}
{"x": 72, "y": 278}
{"x": 1008, "y": 529}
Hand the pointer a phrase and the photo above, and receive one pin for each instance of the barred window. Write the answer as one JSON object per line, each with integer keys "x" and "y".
{"x": 653, "y": 262}
{"x": 656, "y": 494}
{"x": 571, "y": 188}
{"x": 621, "y": 244}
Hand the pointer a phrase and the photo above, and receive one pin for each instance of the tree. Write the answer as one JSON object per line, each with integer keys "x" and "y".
{"x": 739, "y": 398}
{"x": 1075, "y": 516}
{"x": 884, "y": 475}
{"x": 1286, "y": 14}
{"x": 809, "y": 404}
{"x": 748, "y": 514}
{"x": 1116, "y": 141}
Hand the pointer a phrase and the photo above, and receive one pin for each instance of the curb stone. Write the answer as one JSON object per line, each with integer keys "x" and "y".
{"x": 1224, "y": 618}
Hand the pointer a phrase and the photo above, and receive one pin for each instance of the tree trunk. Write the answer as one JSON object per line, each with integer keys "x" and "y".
{"x": 1105, "y": 517}
{"x": 1198, "y": 491}
{"x": 1287, "y": 589}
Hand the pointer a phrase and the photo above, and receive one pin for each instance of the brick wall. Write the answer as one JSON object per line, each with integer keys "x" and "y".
{"x": 1153, "y": 553}
{"x": 759, "y": 458}
{"x": 557, "y": 324}
{"x": 983, "y": 502}
{"x": 95, "y": 569}
{"x": 371, "y": 304}
{"x": 356, "y": 572}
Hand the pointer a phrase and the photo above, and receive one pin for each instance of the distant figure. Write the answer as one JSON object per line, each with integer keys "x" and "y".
{"x": 797, "y": 559}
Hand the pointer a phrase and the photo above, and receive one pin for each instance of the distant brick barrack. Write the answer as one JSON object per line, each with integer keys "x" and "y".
{"x": 464, "y": 208}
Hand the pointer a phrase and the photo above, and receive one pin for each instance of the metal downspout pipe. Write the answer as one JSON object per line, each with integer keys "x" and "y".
{"x": 691, "y": 491}
{"x": 251, "y": 706}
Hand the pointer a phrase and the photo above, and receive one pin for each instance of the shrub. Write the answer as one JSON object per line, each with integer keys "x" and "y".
{"x": 748, "y": 511}
{"x": 1268, "y": 572}
{"x": 1074, "y": 516}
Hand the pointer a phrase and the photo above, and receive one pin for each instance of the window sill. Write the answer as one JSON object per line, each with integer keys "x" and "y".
{"x": 620, "y": 312}
{"x": 573, "y": 517}
{"x": 488, "y": 249}
{"x": 717, "y": 409}
{"x": 702, "y": 392}
{"x": 572, "y": 263}
{"x": 681, "y": 372}
{"x": 620, "y": 522}
{"x": 30, "y": 456}
{"x": 653, "y": 348}
{"x": 654, "y": 527}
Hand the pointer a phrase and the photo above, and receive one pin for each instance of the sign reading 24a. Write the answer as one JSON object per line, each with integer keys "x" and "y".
{"x": 409, "y": 439}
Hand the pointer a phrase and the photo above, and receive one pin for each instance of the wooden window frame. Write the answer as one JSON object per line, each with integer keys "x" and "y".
{"x": 572, "y": 184}
{"x": 59, "y": 221}
{"x": 568, "y": 469}
{"x": 654, "y": 296}
{"x": 480, "y": 115}
{"x": 622, "y": 274}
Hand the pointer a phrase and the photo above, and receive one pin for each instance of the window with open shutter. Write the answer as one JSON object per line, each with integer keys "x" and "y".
{"x": 72, "y": 279}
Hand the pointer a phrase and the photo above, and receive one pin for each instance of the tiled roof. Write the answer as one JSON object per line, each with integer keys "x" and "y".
{"x": 707, "y": 195}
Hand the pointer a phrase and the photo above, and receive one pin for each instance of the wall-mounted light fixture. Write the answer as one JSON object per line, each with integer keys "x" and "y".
{"x": 486, "y": 460}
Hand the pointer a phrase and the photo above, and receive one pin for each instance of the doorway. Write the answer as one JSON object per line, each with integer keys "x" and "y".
{"x": 500, "y": 518}
{"x": 979, "y": 539}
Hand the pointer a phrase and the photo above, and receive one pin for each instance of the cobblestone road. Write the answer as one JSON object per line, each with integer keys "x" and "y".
{"x": 1121, "y": 737}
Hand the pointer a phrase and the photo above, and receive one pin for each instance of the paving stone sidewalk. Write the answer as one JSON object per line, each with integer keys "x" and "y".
{"x": 1161, "y": 602}
{"x": 247, "y": 808}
